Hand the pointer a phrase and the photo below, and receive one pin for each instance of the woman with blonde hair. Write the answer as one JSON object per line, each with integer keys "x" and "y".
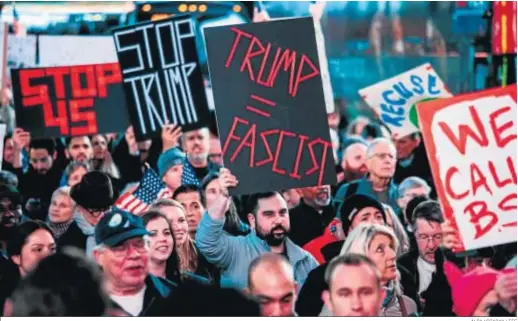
{"x": 380, "y": 244}
{"x": 192, "y": 265}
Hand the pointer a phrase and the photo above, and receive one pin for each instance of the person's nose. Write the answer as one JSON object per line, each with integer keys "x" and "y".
{"x": 356, "y": 303}
{"x": 276, "y": 310}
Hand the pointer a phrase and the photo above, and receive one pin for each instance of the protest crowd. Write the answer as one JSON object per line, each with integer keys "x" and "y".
{"x": 144, "y": 215}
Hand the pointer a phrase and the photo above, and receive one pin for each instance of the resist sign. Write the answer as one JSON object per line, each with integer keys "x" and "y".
{"x": 471, "y": 145}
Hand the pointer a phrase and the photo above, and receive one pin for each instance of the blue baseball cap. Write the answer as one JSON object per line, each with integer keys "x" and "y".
{"x": 117, "y": 226}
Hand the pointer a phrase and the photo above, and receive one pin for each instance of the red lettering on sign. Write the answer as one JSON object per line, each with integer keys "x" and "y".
{"x": 478, "y": 179}
{"x": 58, "y": 74}
{"x": 88, "y": 117}
{"x": 249, "y": 140}
{"x": 478, "y": 210}
{"x": 499, "y": 130}
{"x": 77, "y": 90}
{"x": 465, "y": 131}
{"x": 449, "y": 174}
{"x": 289, "y": 60}
{"x": 107, "y": 74}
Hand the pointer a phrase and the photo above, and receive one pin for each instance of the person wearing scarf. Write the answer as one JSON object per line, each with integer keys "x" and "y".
{"x": 61, "y": 221}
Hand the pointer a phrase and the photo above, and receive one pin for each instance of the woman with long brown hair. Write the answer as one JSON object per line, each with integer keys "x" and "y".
{"x": 192, "y": 264}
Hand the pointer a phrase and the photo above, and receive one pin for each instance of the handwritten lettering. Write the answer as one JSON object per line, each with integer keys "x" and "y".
{"x": 250, "y": 141}
{"x": 395, "y": 98}
{"x": 300, "y": 68}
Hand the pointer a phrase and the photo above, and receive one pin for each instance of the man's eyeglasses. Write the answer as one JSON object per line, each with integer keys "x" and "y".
{"x": 426, "y": 238}
{"x": 141, "y": 246}
{"x": 384, "y": 156}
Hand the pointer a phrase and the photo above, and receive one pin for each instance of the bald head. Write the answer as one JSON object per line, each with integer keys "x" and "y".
{"x": 271, "y": 281}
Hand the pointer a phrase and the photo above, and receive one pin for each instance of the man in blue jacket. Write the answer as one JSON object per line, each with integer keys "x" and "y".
{"x": 270, "y": 222}
{"x": 378, "y": 183}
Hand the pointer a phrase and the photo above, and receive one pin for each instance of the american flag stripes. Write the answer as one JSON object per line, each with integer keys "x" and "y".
{"x": 150, "y": 189}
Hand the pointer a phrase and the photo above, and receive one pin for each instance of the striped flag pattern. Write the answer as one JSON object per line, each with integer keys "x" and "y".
{"x": 150, "y": 189}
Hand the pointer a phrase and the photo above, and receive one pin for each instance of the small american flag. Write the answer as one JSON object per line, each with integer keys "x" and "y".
{"x": 150, "y": 189}
{"x": 189, "y": 175}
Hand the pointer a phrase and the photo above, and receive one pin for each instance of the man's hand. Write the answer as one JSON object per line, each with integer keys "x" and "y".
{"x": 131, "y": 141}
{"x": 451, "y": 237}
{"x": 170, "y": 136}
{"x": 21, "y": 139}
{"x": 226, "y": 181}
{"x": 505, "y": 288}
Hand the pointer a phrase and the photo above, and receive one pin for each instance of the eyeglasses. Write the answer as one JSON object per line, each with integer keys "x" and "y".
{"x": 384, "y": 156}
{"x": 427, "y": 238}
{"x": 141, "y": 246}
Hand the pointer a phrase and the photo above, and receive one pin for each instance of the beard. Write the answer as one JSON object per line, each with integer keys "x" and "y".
{"x": 8, "y": 224}
{"x": 274, "y": 237}
{"x": 198, "y": 158}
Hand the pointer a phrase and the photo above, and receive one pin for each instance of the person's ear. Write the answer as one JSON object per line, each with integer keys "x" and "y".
{"x": 300, "y": 192}
{"x": 326, "y": 297}
{"x": 251, "y": 220}
{"x": 16, "y": 259}
{"x": 67, "y": 154}
{"x": 55, "y": 155}
{"x": 417, "y": 141}
{"x": 98, "y": 257}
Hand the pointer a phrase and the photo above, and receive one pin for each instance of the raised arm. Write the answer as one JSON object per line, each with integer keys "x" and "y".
{"x": 217, "y": 246}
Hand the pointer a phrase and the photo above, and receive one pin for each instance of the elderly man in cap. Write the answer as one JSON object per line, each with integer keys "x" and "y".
{"x": 94, "y": 196}
{"x": 122, "y": 251}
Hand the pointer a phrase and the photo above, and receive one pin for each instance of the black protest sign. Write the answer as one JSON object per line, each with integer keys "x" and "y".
{"x": 70, "y": 101}
{"x": 162, "y": 77}
{"x": 270, "y": 105}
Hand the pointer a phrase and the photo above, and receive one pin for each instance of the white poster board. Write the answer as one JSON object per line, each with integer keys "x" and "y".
{"x": 395, "y": 98}
{"x": 21, "y": 52}
{"x": 55, "y": 51}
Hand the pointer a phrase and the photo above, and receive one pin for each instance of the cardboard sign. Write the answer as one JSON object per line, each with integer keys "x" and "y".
{"x": 395, "y": 98}
{"x": 75, "y": 50}
{"x": 162, "y": 76}
{"x": 70, "y": 101}
{"x": 471, "y": 145}
{"x": 270, "y": 105}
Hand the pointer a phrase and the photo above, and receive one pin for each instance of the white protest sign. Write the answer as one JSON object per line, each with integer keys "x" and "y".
{"x": 56, "y": 51}
{"x": 471, "y": 145}
{"x": 395, "y": 98}
{"x": 21, "y": 52}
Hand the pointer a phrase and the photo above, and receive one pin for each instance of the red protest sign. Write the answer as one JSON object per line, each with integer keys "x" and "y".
{"x": 70, "y": 101}
{"x": 471, "y": 145}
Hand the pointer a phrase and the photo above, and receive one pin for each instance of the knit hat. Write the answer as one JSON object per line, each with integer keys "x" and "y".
{"x": 354, "y": 204}
{"x": 467, "y": 290}
{"x": 168, "y": 159}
